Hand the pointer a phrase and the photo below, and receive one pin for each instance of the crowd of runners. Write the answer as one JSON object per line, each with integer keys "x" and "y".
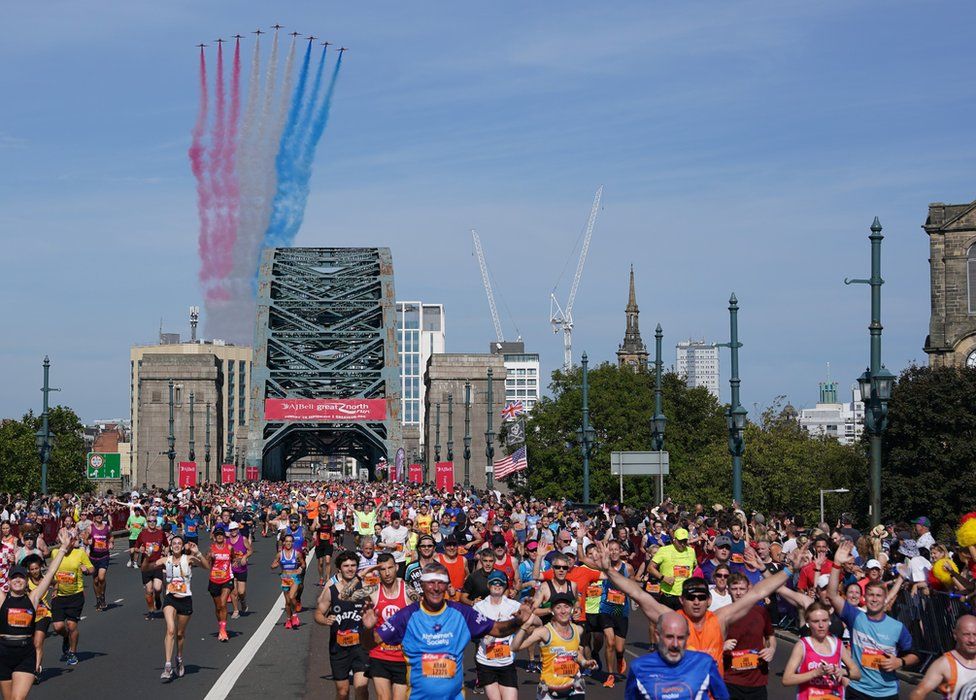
{"x": 406, "y": 578}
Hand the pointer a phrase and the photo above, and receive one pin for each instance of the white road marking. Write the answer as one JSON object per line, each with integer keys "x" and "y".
{"x": 120, "y": 600}
{"x": 83, "y": 617}
{"x": 221, "y": 689}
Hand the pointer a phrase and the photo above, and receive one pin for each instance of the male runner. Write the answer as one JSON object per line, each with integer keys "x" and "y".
{"x": 954, "y": 673}
{"x": 387, "y": 666}
{"x": 340, "y": 607}
{"x": 150, "y": 544}
{"x": 69, "y": 597}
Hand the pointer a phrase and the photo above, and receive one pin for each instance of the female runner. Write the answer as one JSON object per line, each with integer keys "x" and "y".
{"x": 291, "y": 561}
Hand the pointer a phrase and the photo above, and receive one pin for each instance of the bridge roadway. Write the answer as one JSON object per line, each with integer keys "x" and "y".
{"x": 121, "y": 654}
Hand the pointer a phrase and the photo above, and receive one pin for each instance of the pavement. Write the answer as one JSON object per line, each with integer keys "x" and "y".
{"x": 121, "y": 654}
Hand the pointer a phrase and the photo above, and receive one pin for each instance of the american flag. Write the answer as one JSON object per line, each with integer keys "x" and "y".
{"x": 514, "y": 462}
{"x": 513, "y": 409}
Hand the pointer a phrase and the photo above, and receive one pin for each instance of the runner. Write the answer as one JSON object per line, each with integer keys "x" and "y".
{"x": 415, "y": 569}
{"x": 221, "y": 577}
{"x": 242, "y": 553}
{"x": 387, "y": 666}
{"x": 562, "y": 651}
{"x": 954, "y": 673}
{"x": 323, "y": 544}
{"x": 135, "y": 523}
{"x": 749, "y": 647}
{"x": 35, "y": 574}
{"x": 291, "y": 561}
{"x": 69, "y": 597}
{"x": 192, "y": 522}
{"x": 19, "y": 607}
{"x": 177, "y": 569}
{"x": 820, "y": 663}
{"x": 101, "y": 549}
{"x": 434, "y": 633}
{"x": 340, "y": 607}
{"x": 672, "y": 671}
{"x": 457, "y": 567}
{"x": 393, "y": 539}
{"x": 495, "y": 660}
{"x": 298, "y": 534}
{"x": 150, "y": 543}
{"x": 615, "y": 617}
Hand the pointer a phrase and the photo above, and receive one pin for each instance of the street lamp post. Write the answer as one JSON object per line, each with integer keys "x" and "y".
{"x": 490, "y": 438}
{"x": 467, "y": 434}
{"x": 206, "y": 447}
{"x": 586, "y": 434}
{"x": 658, "y": 422}
{"x": 822, "y": 492}
{"x": 876, "y": 383}
{"x": 450, "y": 429}
{"x": 735, "y": 416}
{"x": 437, "y": 434}
{"x": 192, "y": 456}
{"x": 42, "y": 438}
{"x": 171, "y": 442}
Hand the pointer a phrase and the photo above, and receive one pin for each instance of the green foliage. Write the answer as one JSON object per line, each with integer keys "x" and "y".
{"x": 929, "y": 448}
{"x": 783, "y": 466}
{"x": 20, "y": 465}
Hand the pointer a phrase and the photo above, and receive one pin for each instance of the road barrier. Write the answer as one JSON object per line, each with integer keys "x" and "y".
{"x": 931, "y": 619}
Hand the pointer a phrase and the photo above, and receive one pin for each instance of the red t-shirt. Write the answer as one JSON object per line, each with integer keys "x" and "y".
{"x": 742, "y": 668}
{"x": 809, "y": 574}
{"x": 153, "y": 541}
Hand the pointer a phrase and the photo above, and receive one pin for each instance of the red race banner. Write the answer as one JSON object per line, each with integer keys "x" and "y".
{"x": 228, "y": 473}
{"x": 416, "y": 473}
{"x": 251, "y": 473}
{"x": 318, "y": 410}
{"x": 188, "y": 474}
{"x": 445, "y": 475}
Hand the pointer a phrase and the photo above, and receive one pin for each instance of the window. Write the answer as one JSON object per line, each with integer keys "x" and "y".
{"x": 971, "y": 277}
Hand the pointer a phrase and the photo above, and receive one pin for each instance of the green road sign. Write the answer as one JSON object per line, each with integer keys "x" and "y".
{"x": 104, "y": 465}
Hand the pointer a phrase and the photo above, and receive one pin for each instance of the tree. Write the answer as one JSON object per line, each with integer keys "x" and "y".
{"x": 929, "y": 448}
{"x": 20, "y": 464}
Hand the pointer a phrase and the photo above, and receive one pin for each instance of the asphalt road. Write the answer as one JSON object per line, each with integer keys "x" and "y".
{"x": 121, "y": 654}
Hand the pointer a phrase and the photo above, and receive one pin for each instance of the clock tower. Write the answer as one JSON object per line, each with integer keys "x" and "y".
{"x": 632, "y": 352}
{"x": 951, "y": 229}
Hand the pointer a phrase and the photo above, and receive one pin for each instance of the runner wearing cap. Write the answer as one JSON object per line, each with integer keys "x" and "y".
{"x": 672, "y": 565}
{"x": 242, "y": 551}
{"x": 221, "y": 577}
{"x": 562, "y": 651}
{"x": 434, "y": 633}
{"x": 504, "y": 561}
{"x": 19, "y": 608}
{"x": 721, "y": 555}
{"x": 387, "y": 666}
{"x": 495, "y": 659}
{"x": 69, "y": 595}
{"x": 425, "y": 556}
{"x": 150, "y": 543}
{"x": 102, "y": 541}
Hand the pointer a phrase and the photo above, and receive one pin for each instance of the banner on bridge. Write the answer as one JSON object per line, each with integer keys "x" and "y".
{"x": 188, "y": 474}
{"x": 322, "y": 410}
{"x": 445, "y": 475}
{"x": 251, "y": 473}
{"x": 416, "y": 473}
{"x": 228, "y": 473}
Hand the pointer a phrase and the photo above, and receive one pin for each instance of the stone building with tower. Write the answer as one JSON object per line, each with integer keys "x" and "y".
{"x": 632, "y": 352}
{"x": 951, "y": 229}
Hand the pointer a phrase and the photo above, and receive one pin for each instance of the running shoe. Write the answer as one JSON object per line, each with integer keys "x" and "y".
{"x": 72, "y": 659}
{"x": 609, "y": 682}
{"x": 167, "y": 674}
{"x": 222, "y": 636}
{"x": 288, "y": 624}
{"x": 128, "y": 564}
{"x": 148, "y": 616}
{"x": 295, "y": 622}
{"x": 243, "y": 608}
{"x": 180, "y": 669}
{"x": 298, "y": 607}
{"x": 235, "y": 615}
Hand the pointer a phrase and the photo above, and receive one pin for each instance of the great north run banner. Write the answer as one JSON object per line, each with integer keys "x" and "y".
{"x": 319, "y": 410}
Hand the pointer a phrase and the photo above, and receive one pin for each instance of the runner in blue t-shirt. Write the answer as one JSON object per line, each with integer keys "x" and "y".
{"x": 671, "y": 672}
{"x": 434, "y": 633}
{"x": 881, "y": 645}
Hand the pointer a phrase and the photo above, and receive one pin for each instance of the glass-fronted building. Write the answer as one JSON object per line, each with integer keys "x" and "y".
{"x": 420, "y": 333}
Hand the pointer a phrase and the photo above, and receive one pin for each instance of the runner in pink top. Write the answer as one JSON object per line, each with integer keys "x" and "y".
{"x": 820, "y": 665}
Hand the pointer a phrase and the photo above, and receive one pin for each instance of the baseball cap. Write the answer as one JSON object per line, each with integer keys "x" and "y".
{"x": 531, "y": 546}
{"x": 564, "y": 598}
{"x": 873, "y": 564}
{"x": 722, "y": 541}
{"x": 823, "y": 580}
{"x": 680, "y": 534}
{"x": 497, "y": 576}
{"x": 234, "y": 525}
{"x": 923, "y": 521}
{"x": 17, "y": 571}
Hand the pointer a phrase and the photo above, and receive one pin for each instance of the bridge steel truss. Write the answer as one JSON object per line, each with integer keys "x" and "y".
{"x": 326, "y": 329}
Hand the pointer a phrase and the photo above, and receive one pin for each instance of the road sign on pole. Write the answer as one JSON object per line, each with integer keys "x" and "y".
{"x": 651, "y": 463}
{"x": 104, "y": 465}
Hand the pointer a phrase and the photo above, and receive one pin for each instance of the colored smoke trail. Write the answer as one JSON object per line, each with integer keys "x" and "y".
{"x": 293, "y": 183}
{"x": 308, "y": 110}
{"x": 197, "y": 154}
{"x": 231, "y": 188}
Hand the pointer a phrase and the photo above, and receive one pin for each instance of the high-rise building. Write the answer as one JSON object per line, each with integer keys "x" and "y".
{"x": 632, "y": 352}
{"x": 421, "y": 333}
{"x": 842, "y": 421}
{"x": 697, "y": 364}
{"x": 217, "y": 374}
{"x": 522, "y": 372}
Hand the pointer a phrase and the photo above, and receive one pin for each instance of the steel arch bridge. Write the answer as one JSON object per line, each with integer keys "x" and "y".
{"x": 325, "y": 330}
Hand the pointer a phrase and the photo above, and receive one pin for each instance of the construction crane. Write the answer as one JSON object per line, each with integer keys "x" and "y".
{"x": 487, "y": 282}
{"x": 562, "y": 318}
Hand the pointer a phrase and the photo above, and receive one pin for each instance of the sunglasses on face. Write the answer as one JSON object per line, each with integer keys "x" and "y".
{"x": 695, "y": 596}
{"x": 560, "y": 567}
{"x": 720, "y": 575}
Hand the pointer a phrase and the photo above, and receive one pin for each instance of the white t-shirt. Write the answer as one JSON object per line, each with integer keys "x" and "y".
{"x": 925, "y": 541}
{"x": 505, "y": 610}
{"x": 719, "y": 600}
{"x": 396, "y": 537}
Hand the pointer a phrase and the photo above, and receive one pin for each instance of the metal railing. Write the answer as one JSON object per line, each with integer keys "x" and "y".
{"x": 930, "y": 619}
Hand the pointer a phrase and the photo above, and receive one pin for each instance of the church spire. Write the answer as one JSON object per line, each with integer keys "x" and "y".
{"x": 632, "y": 352}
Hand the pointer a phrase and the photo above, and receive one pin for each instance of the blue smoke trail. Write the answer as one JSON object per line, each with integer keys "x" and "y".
{"x": 292, "y": 194}
{"x": 304, "y": 120}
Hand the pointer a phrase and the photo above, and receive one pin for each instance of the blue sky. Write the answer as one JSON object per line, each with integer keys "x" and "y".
{"x": 744, "y": 147}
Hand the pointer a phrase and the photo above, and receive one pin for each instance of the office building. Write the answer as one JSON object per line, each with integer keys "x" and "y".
{"x": 420, "y": 331}
{"x": 843, "y": 421}
{"x": 522, "y": 372}
{"x": 697, "y": 363}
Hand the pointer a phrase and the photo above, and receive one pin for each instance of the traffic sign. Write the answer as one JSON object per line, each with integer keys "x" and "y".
{"x": 640, "y": 463}
{"x": 104, "y": 465}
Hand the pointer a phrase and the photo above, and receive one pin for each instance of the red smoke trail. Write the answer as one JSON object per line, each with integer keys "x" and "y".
{"x": 211, "y": 255}
{"x": 198, "y": 166}
{"x": 230, "y": 185}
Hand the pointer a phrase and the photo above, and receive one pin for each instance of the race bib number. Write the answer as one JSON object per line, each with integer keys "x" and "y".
{"x": 363, "y": 525}
{"x": 372, "y": 580}
{"x": 594, "y": 591}
{"x": 615, "y": 597}
{"x": 565, "y": 665}
{"x": 325, "y": 536}
{"x": 737, "y": 558}
{"x": 822, "y": 694}
{"x": 399, "y": 547}
{"x": 680, "y": 571}
{"x": 347, "y": 638}
{"x": 438, "y": 666}
{"x": 288, "y": 580}
{"x": 498, "y": 650}
{"x": 99, "y": 543}
{"x": 652, "y": 587}
{"x": 177, "y": 585}
{"x": 152, "y": 548}
{"x": 872, "y": 658}
{"x": 745, "y": 660}
{"x": 18, "y": 617}
{"x": 66, "y": 578}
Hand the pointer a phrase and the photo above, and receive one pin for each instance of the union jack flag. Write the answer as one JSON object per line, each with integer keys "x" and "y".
{"x": 513, "y": 409}
{"x": 514, "y": 462}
